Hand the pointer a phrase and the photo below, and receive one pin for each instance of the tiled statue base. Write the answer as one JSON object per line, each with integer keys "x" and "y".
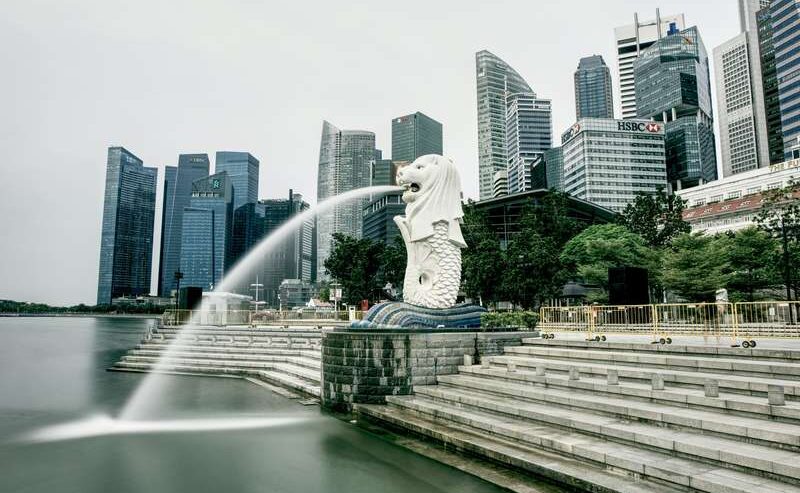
{"x": 395, "y": 314}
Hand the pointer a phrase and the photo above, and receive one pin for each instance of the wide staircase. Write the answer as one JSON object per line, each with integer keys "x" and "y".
{"x": 285, "y": 356}
{"x": 621, "y": 417}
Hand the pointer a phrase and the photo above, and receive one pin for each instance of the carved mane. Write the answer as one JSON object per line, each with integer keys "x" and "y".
{"x": 437, "y": 201}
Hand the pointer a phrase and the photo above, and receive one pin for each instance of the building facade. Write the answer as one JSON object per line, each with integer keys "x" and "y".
{"x": 529, "y": 132}
{"x": 177, "y": 193}
{"x": 495, "y": 79}
{"x": 295, "y": 293}
{"x": 733, "y": 202}
{"x": 207, "y": 231}
{"x": 126, "y": 239}
{"x": 554, "y": 168}
{"x": 242, "y": 170}
{"x": 345, "y": 158}
{"x": 631, "y": 40}
{"x": 379, "y": 216}
{"x": 608, "y": 162}
{"x": 785, "y": 18}
{"x": 673, "y": 88}
{"x": 769, "y": 82}
{"x": 593, "y": 89}
{"x": 415, "y": 135}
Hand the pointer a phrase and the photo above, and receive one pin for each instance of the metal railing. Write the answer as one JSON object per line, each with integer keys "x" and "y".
{"x": 745, "y": 320}
{"x": 173, "y": 317}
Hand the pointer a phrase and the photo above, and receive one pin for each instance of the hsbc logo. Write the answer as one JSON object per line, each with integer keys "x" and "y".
{"x": 630, "y": 126}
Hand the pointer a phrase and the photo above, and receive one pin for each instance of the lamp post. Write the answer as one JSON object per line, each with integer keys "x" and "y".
{"x": 178, "y": 277}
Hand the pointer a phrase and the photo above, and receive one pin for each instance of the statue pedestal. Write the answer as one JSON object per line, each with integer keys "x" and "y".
{"x": 361, "y": 365}
{"x": 399, "y": 315}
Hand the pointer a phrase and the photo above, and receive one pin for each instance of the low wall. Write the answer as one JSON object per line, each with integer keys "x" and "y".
{"x": 362, "y": 367}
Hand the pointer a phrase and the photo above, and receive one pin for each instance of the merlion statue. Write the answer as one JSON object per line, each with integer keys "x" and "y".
{"x": 431, "y": 230}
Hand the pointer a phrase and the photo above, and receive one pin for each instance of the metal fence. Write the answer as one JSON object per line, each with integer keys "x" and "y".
{"x": 736, "y": 320}
{"x": 248, "y": 317}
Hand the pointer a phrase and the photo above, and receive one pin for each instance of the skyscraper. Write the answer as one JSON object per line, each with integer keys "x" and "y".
{"x": 785, "y": 16}
{"x": 593, "y": 89}
{"x": 495, "y": 80}
{"x": 415, "y": 135}
{"x": 344, "y": 164}
{"x": 242, "y": 170}
{"x": 673, "y": 88}
{"x": 529, "y": 132}
{"x": 177, "y": 193}
{"x": 293, "y": 257}
{"x": 631, "y": 41}
{"x": 769, "y": 81}
{"x": 206, "y": 232}
{"x": 554, "y": 166}
{"x": 740, "y": 95}
{"x": 126, "y": 241}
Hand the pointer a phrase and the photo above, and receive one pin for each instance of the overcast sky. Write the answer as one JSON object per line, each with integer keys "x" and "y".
{"x": 165, "y": 77}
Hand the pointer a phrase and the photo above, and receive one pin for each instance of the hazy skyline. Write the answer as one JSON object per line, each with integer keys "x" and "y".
{"x": 163, "y": 78}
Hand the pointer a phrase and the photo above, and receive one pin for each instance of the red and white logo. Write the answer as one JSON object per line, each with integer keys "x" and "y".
{"x": 652, "y": 127}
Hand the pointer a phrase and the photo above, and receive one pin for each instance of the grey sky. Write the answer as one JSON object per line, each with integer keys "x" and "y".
{"x": 164, "y": 77}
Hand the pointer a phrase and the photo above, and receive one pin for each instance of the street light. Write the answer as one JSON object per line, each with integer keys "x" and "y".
{"x": 178, "y": 277}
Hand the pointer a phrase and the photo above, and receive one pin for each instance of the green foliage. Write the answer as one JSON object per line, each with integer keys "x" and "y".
{"x": 533, "y": 269}
{"x": 482, "y": 261}
{"x": 493, "y": 320}
{"x": 780, "y": 218}
{"x": 752, "y": 263}
{"x": 393, "y": 263}
{"x": 657, "y": 218}
{"x": 355, "y": 263}
{"x": 591, "y": 253}
{"x": 22, "y": 307}
{"x": 695, "y": 266}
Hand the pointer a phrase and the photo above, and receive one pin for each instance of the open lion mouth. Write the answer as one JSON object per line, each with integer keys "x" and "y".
{"x": 414, "y": 187}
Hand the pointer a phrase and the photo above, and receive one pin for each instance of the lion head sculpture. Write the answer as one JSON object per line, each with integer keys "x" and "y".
{"x": 432, "y": 194}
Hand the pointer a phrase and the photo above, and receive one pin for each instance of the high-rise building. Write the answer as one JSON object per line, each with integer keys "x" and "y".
{"x": 345, "y": 158}
{"x": 293, "y": 256}
{"x": 500, "y": 184}
{"x": 608, "y": 162}
{"x": 529, "y": 132}
{"x": 415, "y": 135}
{"x": 495, "y": 80}
{"x": 785, "y": 16}
{"x": 379, "y": 216}
{"x": 593, "y": 89}
{"x": 740, "y": 95}
{"x": 207, "y": 231}
{"x": 673, "y": 87}
{"x": 769, "y": 81}
{"x": 126, "y": 240}
{"x": 242, "y": 170}
{"x": 177, "y": 193}
{"x": 631, "y": 41}
{"x": 554, "y": 163}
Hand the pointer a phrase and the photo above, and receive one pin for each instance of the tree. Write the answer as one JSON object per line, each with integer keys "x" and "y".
{"x": 533, "y": 268}
{"x": 482, "y": 261}
{"x": 780, "y": 218}
{"x": 393, "y": 263}
{"x": 355, "y": 263}
{"x": 695, "y": 266}
{"x": 750, "y": 255}
{"x": 658, "y": 218}
{"x": 598, "y": 248}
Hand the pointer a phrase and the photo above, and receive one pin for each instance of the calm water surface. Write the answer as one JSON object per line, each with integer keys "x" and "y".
{"x": 52, "y": 370}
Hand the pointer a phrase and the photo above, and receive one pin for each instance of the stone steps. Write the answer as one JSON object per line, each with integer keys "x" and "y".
{"x": 732, "y": 403}
{"x": 759, "y": 460}
{"x": 717, "y": 364}
{"x": 286, "y": 357}
{"x": 781, "y": 355}
{"x": 755, "y": 430}
{"x": 575, "y": 472}
{"x": 732, "y": 383}
{"x": 633, "y": 459}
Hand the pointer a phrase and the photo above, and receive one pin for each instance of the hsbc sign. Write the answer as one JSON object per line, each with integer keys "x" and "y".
{"x": 630, "y": 126}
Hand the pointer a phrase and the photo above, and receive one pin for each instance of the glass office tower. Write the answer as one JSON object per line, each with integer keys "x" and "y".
{"x": 206, "y": 232}
{"x": 785, "y": 16}
{"x": 529, "y": 132}
{"x": 769, "y": 81}
{"x": 242, "y": 170}
{"x": 345, "y": 158}
{"x": 415, "y": 135}
{"x": 593, "y": 89}
{"x": 495, "y": 80}
{"x": 673, "y": 87}
{"x": 126, "y": 241}
{"x": 177, "y": 193}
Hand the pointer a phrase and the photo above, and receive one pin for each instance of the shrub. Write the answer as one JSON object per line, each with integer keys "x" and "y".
{"x": 493, "y": 320}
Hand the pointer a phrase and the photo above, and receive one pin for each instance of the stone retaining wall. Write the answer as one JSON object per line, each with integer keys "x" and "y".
{"x": 362, "y": 367}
